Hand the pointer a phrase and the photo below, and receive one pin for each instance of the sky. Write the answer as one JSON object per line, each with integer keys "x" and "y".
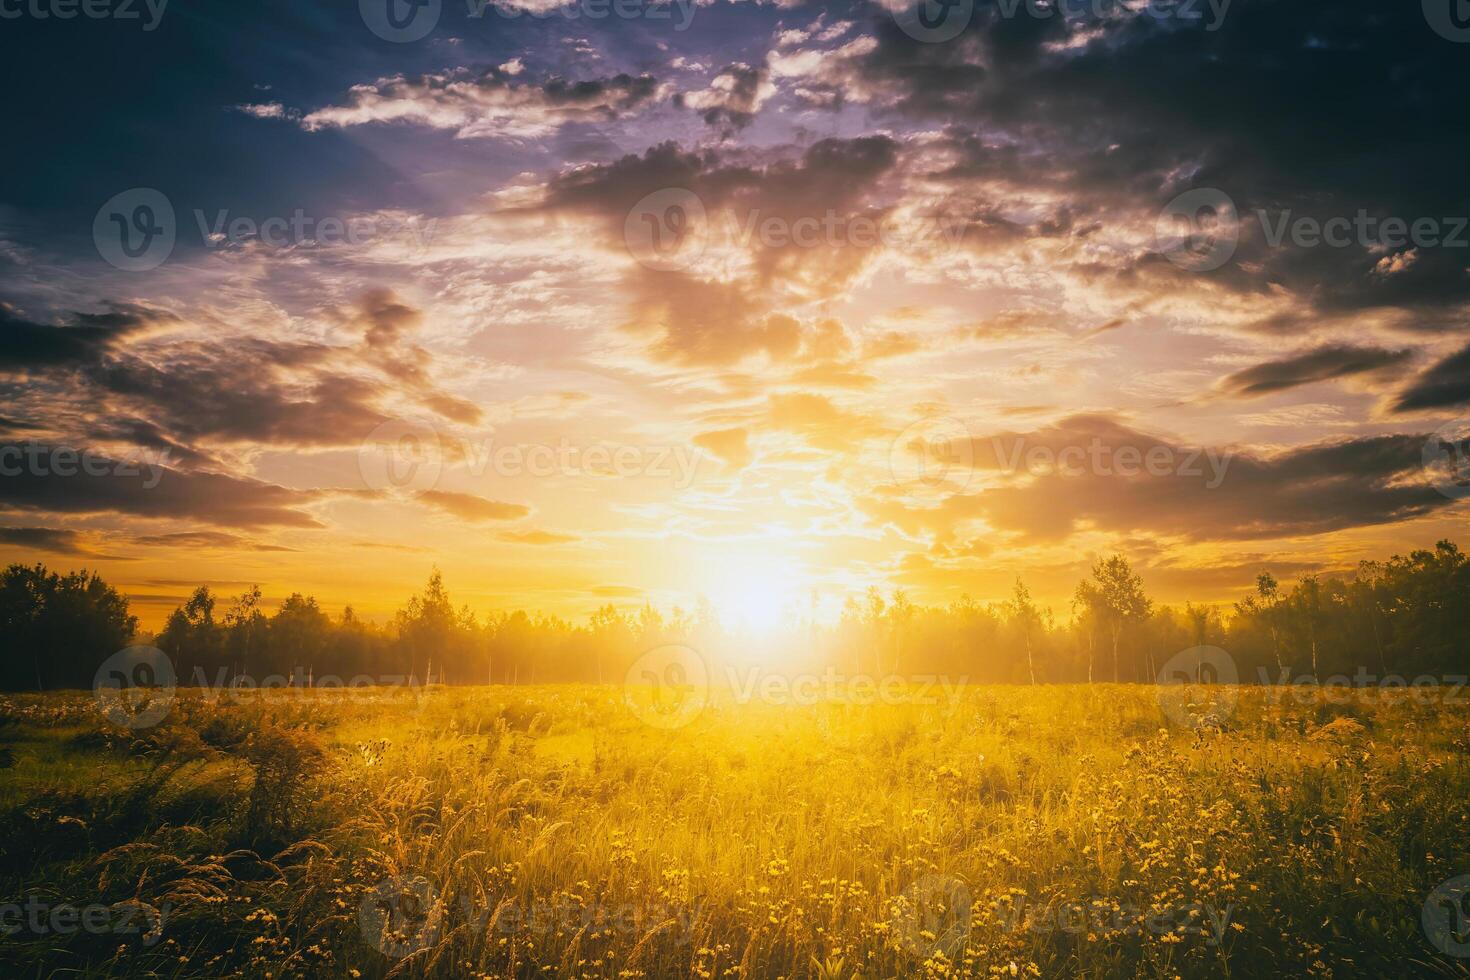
{"x": 762, "y": 302}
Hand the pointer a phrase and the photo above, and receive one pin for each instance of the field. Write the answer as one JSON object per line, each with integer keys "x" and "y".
{"x": 551, "y": 831}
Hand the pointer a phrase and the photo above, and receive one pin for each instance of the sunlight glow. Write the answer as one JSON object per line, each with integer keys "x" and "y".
{"x": 757, "y": 594}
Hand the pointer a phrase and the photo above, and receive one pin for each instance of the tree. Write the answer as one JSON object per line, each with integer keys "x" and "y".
{"x": 1088, "y": 610}
{"x": 1269, "y": 596}
{"x": 1406, "y": 614}
{"x": 1425, "y": 595}
{"x": 299, "y": 634}
{"x": 245, "y": 632}
{"x": 55, "y": 630}
{"x": 1199, "y": 622}
{"x": 610, "y": 631}
{"x": 427, "y": 626}
{"x": 191, "y": 637}
{"x": 1120, "y": 598}
{"x": 23, "y": 593}
{"x": 872, "y": 620}
{"x": 1365, "y": 596}
{"x": 650, "y": 625}
{"x": 1307, "y": 600}
{"x": 1026, "y": 618}
{"x": 901, "y": 612}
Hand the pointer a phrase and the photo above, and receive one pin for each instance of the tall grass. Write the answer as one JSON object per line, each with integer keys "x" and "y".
{"x": 520, "y": 832}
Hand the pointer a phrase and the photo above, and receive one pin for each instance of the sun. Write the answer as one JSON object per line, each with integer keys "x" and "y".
{"x": 753, "y": 603}
{"x": 758, "y": 595}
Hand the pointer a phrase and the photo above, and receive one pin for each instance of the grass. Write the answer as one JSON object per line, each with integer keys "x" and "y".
{"x": 528, "y": 832}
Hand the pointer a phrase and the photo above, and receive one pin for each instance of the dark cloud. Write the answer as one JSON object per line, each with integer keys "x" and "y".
{"x": 1048, "y": 486}
{"x": 29, "y": 347}
{"x": 189, "y": 583}
{"x": 1323, "y": 364}
{"x": 387, "y": 323}
{"x": 733, "y": 97}
{"x": 695, "y": 320}
{"x": 148, "y": 435}
{"x": 9, "y": 426}
{"x": 60, "y": 480}
{"x": 1444, "y": 385}
{"x": 189, "y": 395}
{"x": 1302, "y": 110}
{"x": 238, "y": 393}
{"x": 830, "y": 174}
{"x": 49, "y": 539}
{"x": 207, "y": 539}
{"x": 385, "y": 319}
{"x": 609, "y": 190}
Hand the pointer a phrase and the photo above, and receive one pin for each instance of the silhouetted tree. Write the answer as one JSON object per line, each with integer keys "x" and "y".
{"x": 1404, "y": 615}
{"x": 55, "y": 630}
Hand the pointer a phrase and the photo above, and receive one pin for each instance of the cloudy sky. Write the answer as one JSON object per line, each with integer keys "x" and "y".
{"x": 616, "y": 302}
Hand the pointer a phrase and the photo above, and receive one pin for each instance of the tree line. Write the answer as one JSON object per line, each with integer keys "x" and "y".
{"x": 1404, "y": 616}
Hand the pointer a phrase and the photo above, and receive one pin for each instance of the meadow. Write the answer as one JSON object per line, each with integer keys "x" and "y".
{"x": 552, "y": 831}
